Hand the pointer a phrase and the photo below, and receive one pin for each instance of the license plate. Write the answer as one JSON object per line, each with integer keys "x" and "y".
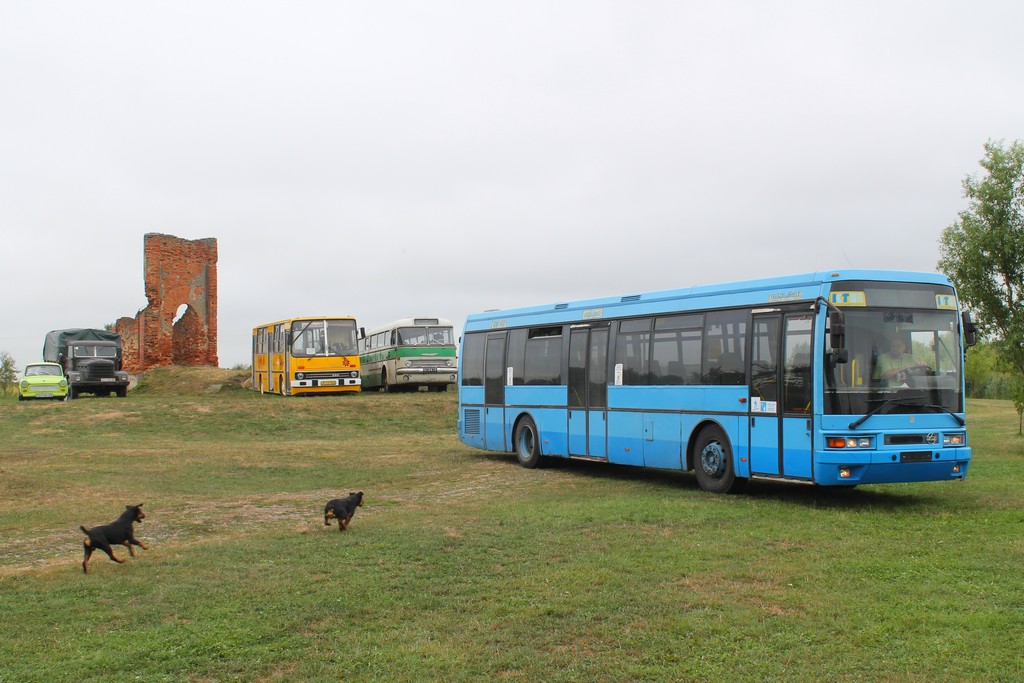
{"x": 429, "y": 369}
{"x": 328, "y": 382}
{"x": 45, "y": 394}
{"x": 107, "y": 379}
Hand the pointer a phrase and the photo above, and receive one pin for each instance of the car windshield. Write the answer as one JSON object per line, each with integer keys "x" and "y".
{"x": 425, "y": 336}
{"x": 324, "y": 338}
{"x": 907, "y": 348}
{"x": 43, "y": 370}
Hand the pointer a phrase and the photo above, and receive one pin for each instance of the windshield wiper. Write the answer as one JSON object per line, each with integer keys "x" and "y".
{"x": 901, "y": 401}
{"x": 908, "y": 401}
{"x": 944, "y": 409}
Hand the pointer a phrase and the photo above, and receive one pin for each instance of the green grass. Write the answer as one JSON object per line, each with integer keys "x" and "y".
{"x": 462, "y": 566}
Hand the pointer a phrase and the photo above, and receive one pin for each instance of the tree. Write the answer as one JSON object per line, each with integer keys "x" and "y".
{"x": 979, "y": 369}
{"x": 8, "y": 371}
{"x": 1017, "y": 394}
{"x": 983, "y": 251}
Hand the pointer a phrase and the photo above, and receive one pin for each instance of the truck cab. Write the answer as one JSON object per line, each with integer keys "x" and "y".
{"x": 91, "y": 360}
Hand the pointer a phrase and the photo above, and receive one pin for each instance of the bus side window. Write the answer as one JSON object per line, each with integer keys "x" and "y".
{"x": 473, "y": 359}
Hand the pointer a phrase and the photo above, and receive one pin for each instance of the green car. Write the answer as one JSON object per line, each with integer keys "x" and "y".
{"x": 43, "y": 380}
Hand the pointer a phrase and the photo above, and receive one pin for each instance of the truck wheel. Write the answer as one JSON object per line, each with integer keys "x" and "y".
{"x": 122, "y": 392}
{"x": 72, "y": 393}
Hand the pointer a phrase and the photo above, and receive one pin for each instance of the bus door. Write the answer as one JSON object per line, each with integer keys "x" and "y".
{"x": 780, "y": 395}
{"x": 280, "y": 355}
{"x": 588, "y": 391}
{"x": 494, "y": 393}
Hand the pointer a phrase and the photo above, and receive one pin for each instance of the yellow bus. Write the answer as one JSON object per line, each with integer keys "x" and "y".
{"x": 316, "y": 355}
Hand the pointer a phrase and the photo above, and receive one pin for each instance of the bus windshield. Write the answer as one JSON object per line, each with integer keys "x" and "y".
{"x": 424, "y": 336}
{"x": 324, "y": 338}
{"x": 904, "y": 351}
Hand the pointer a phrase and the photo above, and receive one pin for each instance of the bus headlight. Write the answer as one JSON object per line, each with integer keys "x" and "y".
{"x": 844, "y": 472}
{"x": 957, "y": 439}
{"x": 300, "y": 375}
{"x": 849, "y": 442}
{"x": 448, "y": 362}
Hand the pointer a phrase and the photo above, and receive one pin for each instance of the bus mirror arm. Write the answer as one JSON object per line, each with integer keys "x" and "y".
{"x": 836, "y": 331}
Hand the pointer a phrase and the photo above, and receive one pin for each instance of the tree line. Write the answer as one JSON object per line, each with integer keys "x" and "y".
{"x": 982, "y": 252}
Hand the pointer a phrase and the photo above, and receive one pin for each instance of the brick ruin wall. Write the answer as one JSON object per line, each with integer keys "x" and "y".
{"x": 177, "y": 271}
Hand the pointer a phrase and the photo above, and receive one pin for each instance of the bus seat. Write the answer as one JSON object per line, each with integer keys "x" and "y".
{"x": 692, "y": 373}
{"x": 875, "y": 381}
{"x": 730, "y": 368}
{"x": 655, "y": 373}
{"x": 675, "y": 372}
{"x": 730, "y": 361}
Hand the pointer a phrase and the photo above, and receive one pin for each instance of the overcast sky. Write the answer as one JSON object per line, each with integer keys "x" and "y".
{"x": 393, "y": 159}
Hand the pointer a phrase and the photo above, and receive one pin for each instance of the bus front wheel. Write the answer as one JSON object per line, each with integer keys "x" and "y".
{"x": 384, "y": 386}
{"x": 713, "y": 462}
{"x": 526, "y": 443}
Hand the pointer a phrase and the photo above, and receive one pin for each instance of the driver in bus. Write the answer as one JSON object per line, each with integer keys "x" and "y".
{"x": 895, "y": 365}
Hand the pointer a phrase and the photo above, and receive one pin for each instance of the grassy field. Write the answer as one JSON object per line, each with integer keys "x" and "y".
{"x": 462, "y": 566}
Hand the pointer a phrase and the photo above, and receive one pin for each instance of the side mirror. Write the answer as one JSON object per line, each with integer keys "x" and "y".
{"x": 362, "y": 333}
{"x": 837, "y": 336}
{"x": 970, "y": 330}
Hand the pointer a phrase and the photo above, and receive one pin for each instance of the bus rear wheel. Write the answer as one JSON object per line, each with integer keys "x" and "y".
{"x": 713, "y": 462}
{"x": 526, "y": 443}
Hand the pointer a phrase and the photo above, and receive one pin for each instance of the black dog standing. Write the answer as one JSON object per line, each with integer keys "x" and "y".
{"x": 342, "y": 509}
{"x": 118, "y": 532}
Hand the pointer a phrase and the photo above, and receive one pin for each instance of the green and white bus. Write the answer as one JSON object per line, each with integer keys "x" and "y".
{"x": 407, "y": 354}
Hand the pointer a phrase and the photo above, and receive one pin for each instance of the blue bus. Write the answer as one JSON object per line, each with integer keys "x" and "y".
{"x": 834, "y": 378}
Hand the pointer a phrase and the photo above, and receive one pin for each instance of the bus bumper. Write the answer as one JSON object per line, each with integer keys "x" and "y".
{"x": 834, "y": 468}
{"x": 425, "y": 375}
{"x": 325, "y": 383}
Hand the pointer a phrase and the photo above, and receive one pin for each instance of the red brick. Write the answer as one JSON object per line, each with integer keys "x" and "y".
{"x": 177, "y": 272}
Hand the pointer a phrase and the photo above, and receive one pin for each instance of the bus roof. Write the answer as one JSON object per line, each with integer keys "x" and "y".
{"x": 410, "y": 322}
{"x": 307, "y": 317}
{"x": 765, "y": 291}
